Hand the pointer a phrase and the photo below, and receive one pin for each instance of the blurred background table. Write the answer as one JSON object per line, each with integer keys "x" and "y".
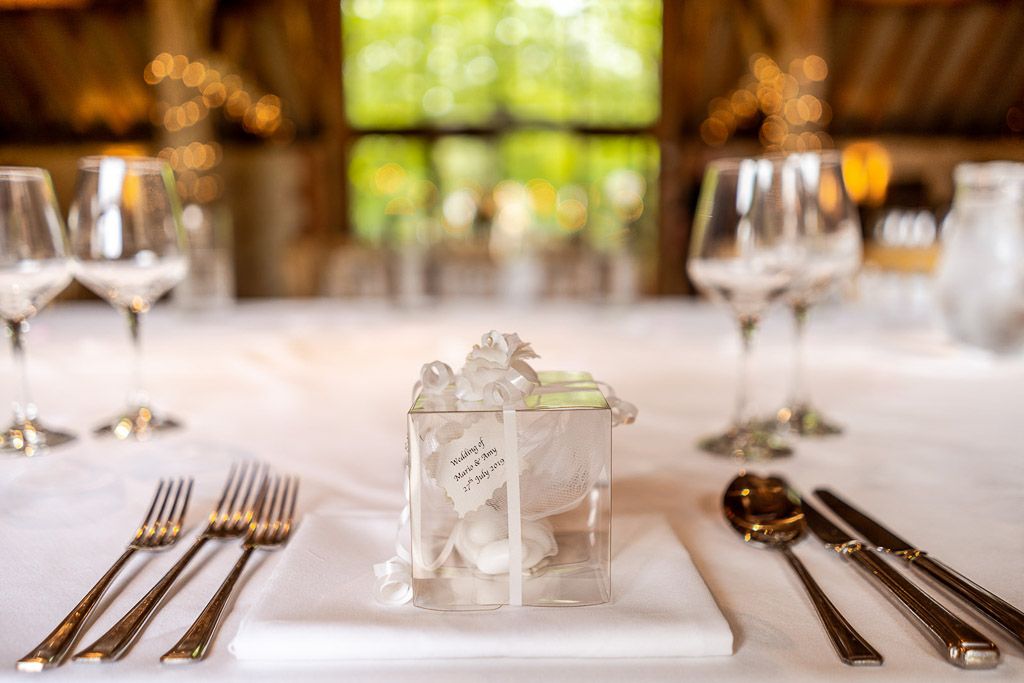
{"x": 320, "y": 389}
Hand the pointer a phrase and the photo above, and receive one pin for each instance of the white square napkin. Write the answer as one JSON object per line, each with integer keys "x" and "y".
{"x": 319, "y": 605}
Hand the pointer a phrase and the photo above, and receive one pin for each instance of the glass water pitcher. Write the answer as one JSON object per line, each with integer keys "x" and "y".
{"x": 981, "y": 273}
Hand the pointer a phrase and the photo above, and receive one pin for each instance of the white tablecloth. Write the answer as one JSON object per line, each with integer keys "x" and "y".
{"x": 320, "y": 389}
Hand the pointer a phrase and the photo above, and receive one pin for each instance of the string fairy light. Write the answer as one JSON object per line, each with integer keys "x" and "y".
{"x": 790, "y": 118}
{"x": 258, "y": 112}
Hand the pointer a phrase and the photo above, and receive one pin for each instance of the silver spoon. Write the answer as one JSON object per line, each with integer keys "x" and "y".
{"x": 759, "y": 509}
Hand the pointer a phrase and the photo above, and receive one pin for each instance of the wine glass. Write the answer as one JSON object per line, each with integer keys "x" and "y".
{"x": 34, "y": 268}
{"x": 743, "y": 253}
{"x": 832, "y": 255}
{"x": 128, "y": 243}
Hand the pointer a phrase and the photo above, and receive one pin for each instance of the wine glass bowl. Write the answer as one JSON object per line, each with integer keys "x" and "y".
{"x": 832, "y": 233}
{"x": 129, "y": 247}
{"x": 34, "y": 268}
{"x": 744, "y": 250}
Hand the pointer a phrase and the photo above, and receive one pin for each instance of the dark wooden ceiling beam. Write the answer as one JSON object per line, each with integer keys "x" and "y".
{"x": 899, "y": 109}
{"x": 847, "y": 89}
{"x": 882, "y": 90}
{"x": 875, "y": 56}
{"x": 946, "y": 76}
{"x": 994, "y": 78}
{"x": 1009, "y": 92}
{"x": 971, "y": 103}
{"x": 921, "y": 78}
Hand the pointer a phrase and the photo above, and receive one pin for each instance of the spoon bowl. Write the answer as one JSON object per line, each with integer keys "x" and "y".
{"x": 762, "y": 512}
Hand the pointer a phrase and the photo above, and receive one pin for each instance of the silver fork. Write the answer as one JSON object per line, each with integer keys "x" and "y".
{"x": 159, "y": 530}
{"x": 229, "y": 519}
{"x": 269, "y": 532}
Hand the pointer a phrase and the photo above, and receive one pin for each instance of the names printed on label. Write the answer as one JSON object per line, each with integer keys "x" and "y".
{"x": 472, "y": 468}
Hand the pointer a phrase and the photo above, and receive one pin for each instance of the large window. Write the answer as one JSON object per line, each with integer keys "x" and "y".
{"x": 518, "y": 123}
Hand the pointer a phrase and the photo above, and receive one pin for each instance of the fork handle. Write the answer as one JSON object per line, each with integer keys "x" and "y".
{"x": 114, "y": 642}
{"x": 193, "y": 645}
{"x": 960, "y": 642}
{"x": 51, "y": 651}
{"x": 998, "y": 610}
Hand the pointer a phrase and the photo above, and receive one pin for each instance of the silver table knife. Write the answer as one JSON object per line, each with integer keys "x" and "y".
{"x": 995, "y": 608}
{"x": 961, "y": 643}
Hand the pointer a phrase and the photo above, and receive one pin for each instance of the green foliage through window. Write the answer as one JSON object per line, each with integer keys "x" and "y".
{"x": 475, "y": 62}
{"x": 527, "y": 79}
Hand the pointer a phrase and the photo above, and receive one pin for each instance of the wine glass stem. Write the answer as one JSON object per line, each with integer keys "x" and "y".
{"x": 796, "y": 391}
{"x": 748, "y": 324}
{"x": 16, "y": 330}
{"x": 137, "y": 398}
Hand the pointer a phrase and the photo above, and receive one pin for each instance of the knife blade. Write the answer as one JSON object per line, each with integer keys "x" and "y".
{"x": 960, "y": 643}
{"x": 1000, "y": 612}
{"x": 823, "y": 528}
{"x": 872, "y": 530}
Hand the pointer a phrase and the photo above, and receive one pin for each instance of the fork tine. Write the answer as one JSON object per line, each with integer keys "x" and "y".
{"x": 266, "y": 514}
{"x": 163, "y": 504}
{"x": 224, "y": 494}
{"x": 244, "y": 512}
{"x": 287, "y": 504}
{"x": 153, "y": 528}
{"x": 166, "y": 521}
{"x": 260, "y": 504}
{"x": 227, "y": 512}
{"x": 178, "y": 520}
{"x": 152, "y": 506}
{"x": 295, "y": 498}
{"x": 275, "y": 512}
{"x": 268, "y": 511}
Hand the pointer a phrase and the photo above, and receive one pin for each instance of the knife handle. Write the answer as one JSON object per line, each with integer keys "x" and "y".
{"x": 962, "y": 645}
{"x": 998, "y": 610}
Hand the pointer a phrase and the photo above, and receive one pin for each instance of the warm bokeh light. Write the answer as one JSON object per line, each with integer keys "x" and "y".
{"x": 791, "y": 119}
{"x": 259, "y": 113}
{"x": 867, "y": 167}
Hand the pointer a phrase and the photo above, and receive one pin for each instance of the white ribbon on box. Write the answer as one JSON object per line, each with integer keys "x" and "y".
{"x": 495, "y": 374}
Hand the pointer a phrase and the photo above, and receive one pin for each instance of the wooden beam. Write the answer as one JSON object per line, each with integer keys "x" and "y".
{"x": 940, "y": 100}
{"x": 877, "y": 68}
{"x": 928, "y": 27}
{"x": 879, "y": 81}
{"x": 673, "y": 223}
{"x": 987, "y": 75}
{"x": 859, "y": 56}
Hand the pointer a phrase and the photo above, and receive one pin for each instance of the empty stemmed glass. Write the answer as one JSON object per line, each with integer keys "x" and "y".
{"x": 129, "y": 247}
{"x": 743, "y": 252}
{"x": 831, "y": 254}
{"x": 34, "y": 268}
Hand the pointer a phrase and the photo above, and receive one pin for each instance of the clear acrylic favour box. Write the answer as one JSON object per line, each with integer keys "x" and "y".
{"x": 461, "y": 457}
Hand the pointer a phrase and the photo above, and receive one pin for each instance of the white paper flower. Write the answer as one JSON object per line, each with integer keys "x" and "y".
{"x": 496, "y": 370}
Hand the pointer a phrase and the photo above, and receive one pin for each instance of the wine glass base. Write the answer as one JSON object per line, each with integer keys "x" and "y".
{"x": 805, "y": 420}
{"x": 31, "y": 439}
{"x": 139, "y": 424}
{"x": 748, "y": 442}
